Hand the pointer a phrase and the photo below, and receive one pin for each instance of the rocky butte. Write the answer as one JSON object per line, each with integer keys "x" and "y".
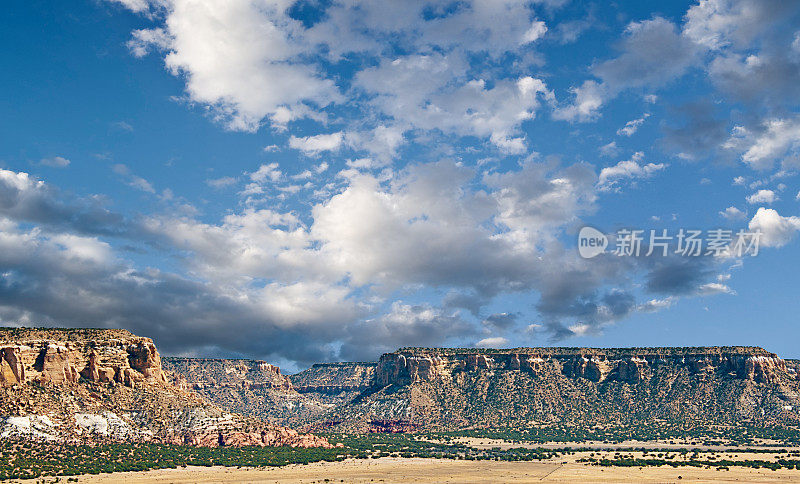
{"x": 100, "y": 384}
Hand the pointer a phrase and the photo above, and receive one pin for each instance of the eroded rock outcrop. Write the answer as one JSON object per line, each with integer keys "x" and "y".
{"x": 484, "y": 387}
{"x": 62, "y": 357}
{"x": 92, "y": 384}
{"x": 593, "y": 364}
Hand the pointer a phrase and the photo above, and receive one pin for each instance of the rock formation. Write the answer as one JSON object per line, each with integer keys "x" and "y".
{"x": 88, "y": 384}
{"x": 451, "y": 388}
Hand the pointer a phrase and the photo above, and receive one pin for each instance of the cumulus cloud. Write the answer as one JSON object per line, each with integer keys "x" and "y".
{"x": 314, "y": 145}
{"x": 494, "y": 342}
{"x": 501, "y": 321}
{"x": 237, "y": 58}
{"x": 712, "y": 288}
{"x": 752, "y": 66}
{"x": 611, "y": 177}
{"x": 762, "y": 196}
{"x": 270, "y": 284}
{"x": 419, "y": 92}
{"x": 535, "y": 32}
{"x": 251, "y": 62}
{"x": 776, "y": 230}
{"x": 134, "y": 5}
{"x": 776, "y": 139}
{"x": 589, "y": 98}
{"x": 632, "y": 126}
{"x": 732, "y": 213}
{"x": 609, "y": 150}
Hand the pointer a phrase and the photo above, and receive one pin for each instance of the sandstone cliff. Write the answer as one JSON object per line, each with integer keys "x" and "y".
{"x": 90, "y": 384}
{"x": 456, "y": 388}
{"x": 64, "y": 356}
{"x": 593, "y": 364}
{"x": 451, "y": 388}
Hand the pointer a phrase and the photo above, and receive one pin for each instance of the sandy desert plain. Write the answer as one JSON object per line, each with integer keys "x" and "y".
{"x": 416, "y": 470}
{"x": 578, "y": 466}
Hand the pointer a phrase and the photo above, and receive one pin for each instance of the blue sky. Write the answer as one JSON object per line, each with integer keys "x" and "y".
{"x": 313, "y": 181}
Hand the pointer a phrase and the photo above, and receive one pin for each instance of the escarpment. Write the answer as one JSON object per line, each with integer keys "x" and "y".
{"x": 594, "y": 364}
{"x": 95, "y": 384}
{"x": 452, "y": 388}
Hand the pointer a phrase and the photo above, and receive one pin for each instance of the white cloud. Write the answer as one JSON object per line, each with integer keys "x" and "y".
{"x": 611, "y": 177}
{"x": 776, "y": 230}
{"x": 610, "y": 149}
{"x": 495, "y": 342}
{"x": 762, "y": 196}
{"x": 266, "y": 172}
{"x": 83, "y": 248}
{"x": 632, "y": 126}
{"x": 382, "y": 142}
{"x": 589, "y": 97}
{"x": 653, "y": 52}
{"x": 654, "y": 305}
{"x": 137, "y": 6}
{"x": 237, "y": 58}
{"x": 536, "y": 32}
{"x": 714, "y": 288}
{"x": 733, "y": 213}
{"x": 132, "y": 180}
{"x": 305, "y": 288}
{"x": 778, "y": 136}
{"x": 314, "y": 145}
{"x": 431, "y": 93}
{"x": 248, "y": 61}
{"x": 55, "y": 162}
{"x": 715, "y": 24}
{"x": 142, "y": 41}
{"x": 739, "y": 181}
{"x": 222, "y": 182}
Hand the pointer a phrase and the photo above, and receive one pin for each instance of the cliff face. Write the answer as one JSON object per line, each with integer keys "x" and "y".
{"x": 442, "y": 388}
{"x": 594, "y": 364}
{"x": 91, "y": 384}
{"x": 58, "y": 356}
{"x": 456, "y": 388}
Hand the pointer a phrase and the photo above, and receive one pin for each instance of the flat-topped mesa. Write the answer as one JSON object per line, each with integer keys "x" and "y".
{"x": 335, "y": 377}
{"x": 63, "y": 356}
{"x": 632, "y": 365}
{"x": 202, "y": 373}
